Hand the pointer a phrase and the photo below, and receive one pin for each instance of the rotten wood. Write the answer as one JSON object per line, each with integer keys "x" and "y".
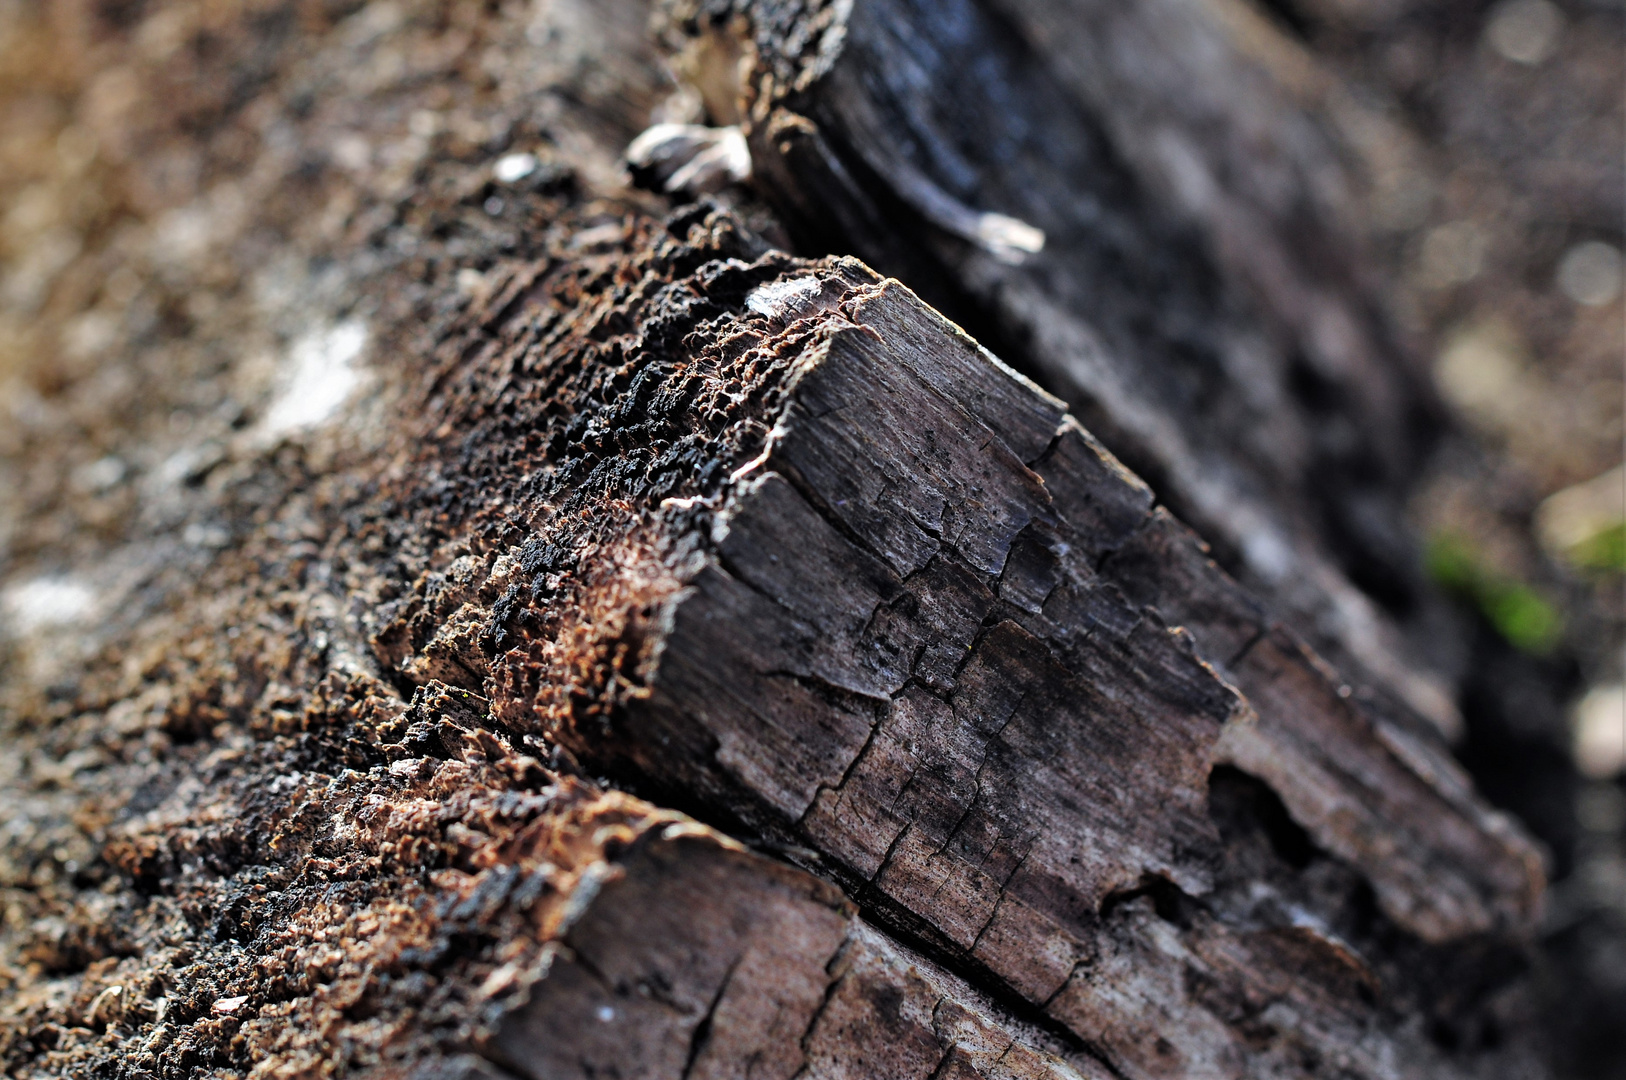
{"x": 682, "y": 659}
{"x": 1203, "y": 299}
{"x": 914, "y": 655}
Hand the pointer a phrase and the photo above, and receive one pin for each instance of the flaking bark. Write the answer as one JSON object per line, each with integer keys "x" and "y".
{"x": 682, "y": 659}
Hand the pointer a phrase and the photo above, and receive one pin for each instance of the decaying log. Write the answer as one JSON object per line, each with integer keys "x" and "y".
{"x": 1202, "y": 300}
{"x": 807, "y": 562}
{"x": 689, "y": 660}
{"x": 914, "y": 655}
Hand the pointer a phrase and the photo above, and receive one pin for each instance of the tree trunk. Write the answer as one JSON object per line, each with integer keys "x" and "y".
{"x": 471, "y": 617}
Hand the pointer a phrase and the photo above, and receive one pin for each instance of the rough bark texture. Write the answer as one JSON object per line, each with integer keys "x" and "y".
{"x": 1203, "y": 298}
{"x": 676, "y": 658}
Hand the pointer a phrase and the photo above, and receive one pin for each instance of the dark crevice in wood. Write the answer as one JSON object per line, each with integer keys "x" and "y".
{"x": 1237, "y": 800}
{"x": 1247, "y": 647}
{"x": 702, "y": 1030}
{"x": 1289, "y": 15}
{"x": 1167, "y": 898}
{"x": 906, "y": 929}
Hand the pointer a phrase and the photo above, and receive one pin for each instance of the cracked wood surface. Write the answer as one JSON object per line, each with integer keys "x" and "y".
{"x": 1203, "y": 300}
{"x": 780, "y": 546}
{"x": 665, "y": 626}
{"x": 700, "y": 960}
{"x": 990, "y": 696}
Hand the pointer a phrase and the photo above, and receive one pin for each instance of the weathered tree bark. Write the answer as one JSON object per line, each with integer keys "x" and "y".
{"x": 1203, "y": 301}
{"x": 690, "y": 660}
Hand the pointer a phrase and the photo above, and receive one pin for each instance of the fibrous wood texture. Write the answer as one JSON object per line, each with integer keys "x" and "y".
{"x": 911, "y": 653}
{"x": 806, "y": 559}
{"x": 1202, "y": 300}
{"x": 678, "y": 659}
